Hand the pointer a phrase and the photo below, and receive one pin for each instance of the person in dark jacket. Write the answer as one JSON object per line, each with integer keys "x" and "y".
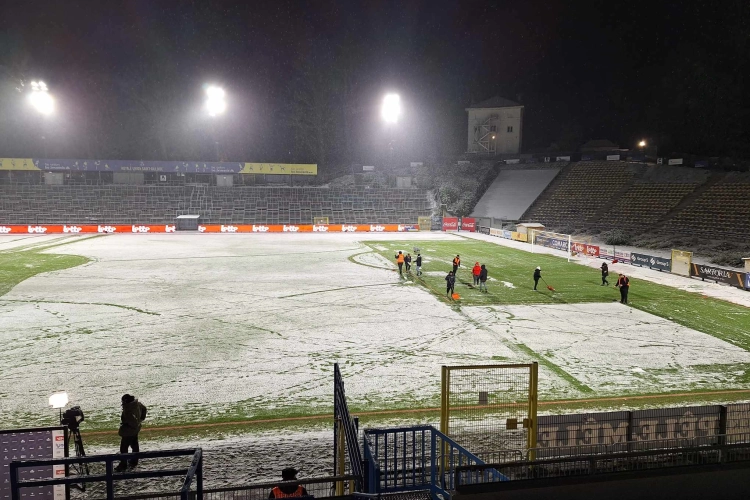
{"x": 133, "y": 414}
{"x": 537, "y": 276}
{"x": 483, "y": 278}
{"x": 623, "y": 283}
{"x": 450, "y": 284}
{"x": 288, "y": 489}
{"x": 605, "y": 273}
{"x": 407, "y": 261}
{"x": 419, "y": 265}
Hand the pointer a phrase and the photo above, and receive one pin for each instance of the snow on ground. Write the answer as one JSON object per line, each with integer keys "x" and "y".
{"x": 202, "y": 327}
{"x": 610, "y": 348}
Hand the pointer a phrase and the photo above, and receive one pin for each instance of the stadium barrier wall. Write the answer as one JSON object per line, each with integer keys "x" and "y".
{"x": 514, "y": 235}
{"x": 726, "y": 276}
{"x": 728, "y": 422}
{"x": 207, "y": 228}
{"x": 651, "y": 261}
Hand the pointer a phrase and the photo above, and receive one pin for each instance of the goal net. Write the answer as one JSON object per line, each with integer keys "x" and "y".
{"x": 488, "y": 408}
{"x": 574, "y": 247}
{"x": 320, "y": 220}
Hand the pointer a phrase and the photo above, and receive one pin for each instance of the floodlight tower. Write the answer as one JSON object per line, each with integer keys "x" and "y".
{"x": 215, "y": 106}
{"x": 42, "y": 101}
{"x": 390, "y": 112}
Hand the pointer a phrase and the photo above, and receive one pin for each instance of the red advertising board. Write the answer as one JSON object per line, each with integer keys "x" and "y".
{"x": 585, "y": 249}
{"x": 469, "y": 224}
{"x": 205, "y": 228}
{"x": 592, "y": 250}
{"x": 450, "y": 223}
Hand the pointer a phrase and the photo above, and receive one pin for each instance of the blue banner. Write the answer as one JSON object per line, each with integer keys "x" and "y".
{"x": 747, "y": 281}
{"x": 556, "y": 243}
{"x": 164, "y": 167}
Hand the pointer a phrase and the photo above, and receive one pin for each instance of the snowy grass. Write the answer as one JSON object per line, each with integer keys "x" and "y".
{"x": 210, "y": 329}
{"x": 573, "y": 284}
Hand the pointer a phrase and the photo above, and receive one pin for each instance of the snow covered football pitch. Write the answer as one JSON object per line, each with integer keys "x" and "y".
{"x": 207, "y": 328}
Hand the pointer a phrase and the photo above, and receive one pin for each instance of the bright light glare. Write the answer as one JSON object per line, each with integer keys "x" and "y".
{"x": 215, "y": 103}
{"x": 40, "y": 99}
{"x": 642, "y": 144}
{"x": 391, "y": 110}
{"x": 58, "y": 400}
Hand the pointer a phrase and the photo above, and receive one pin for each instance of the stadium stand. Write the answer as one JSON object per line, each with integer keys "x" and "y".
{"x": 580, "y": 191}
{"x": 643, "y": 204}
{"x": 77, "y": 204}
{"x": 722, "y": 210}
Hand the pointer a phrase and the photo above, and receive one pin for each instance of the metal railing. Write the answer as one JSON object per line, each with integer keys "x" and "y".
{"x": 345, "y": 434}
{"x": 604, "y": 463}
{"x": 322, "y": 487}
{"x": 415, "y": 458}
{"x": 194, "y": 472}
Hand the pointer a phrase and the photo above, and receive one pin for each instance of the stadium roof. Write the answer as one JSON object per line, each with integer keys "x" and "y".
{"x": 496, "y": 102}
{"x": 599, "y": 144}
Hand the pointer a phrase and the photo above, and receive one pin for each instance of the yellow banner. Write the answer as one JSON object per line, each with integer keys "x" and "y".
{"x": 17, "y": 164}
{"x": 281, "y": 168}
{"x": 519, "y": 236}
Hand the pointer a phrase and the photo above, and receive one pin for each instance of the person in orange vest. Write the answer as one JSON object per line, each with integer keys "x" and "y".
{"x": 456, "y": 263}
{"x": 400, "y": 262}
{"x": 475, "y": 273}
{"x": 288, "y": 489}
{"x": 623, "y": 283}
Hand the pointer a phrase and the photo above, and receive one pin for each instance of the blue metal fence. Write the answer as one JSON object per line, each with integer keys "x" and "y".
{"x": 415, "y": 458}
{"x": 194, "y": 472}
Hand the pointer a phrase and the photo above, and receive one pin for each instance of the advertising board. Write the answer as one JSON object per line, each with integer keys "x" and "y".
{"x": 614, "y": 428}
{"x": 651, "y": 261}
{"x": 622, "y": 256}
{"x": 514, "y": 235}
{"x": 607, "y": 253}
{"x": 726, "y": 276}
{"x": 469, "y": 224}
{"x": 32, "y": 444}
{"x": 496, "y": 232}
{"x": 747, "y": 281}
{"x": 206, "y": 228}
{"x": 450, "y": 223}
{"x": 508, "y": 235}
{"x": 613, "y": 157}
{"x": 681, "y": 262}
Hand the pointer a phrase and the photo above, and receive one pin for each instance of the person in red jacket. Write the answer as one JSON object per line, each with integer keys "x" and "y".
{"x": 475, "y": 273}
{"x": 288, "y": 489}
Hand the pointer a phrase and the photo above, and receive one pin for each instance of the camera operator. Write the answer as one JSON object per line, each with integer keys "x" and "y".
{"x": 133, "y": 413}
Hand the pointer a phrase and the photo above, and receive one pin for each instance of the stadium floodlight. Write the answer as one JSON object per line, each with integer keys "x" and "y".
{"x": 215, "y": 103}
{"x": 642, "y": 144}
{"x": 58, "y": 400}
{"x": 40, "y": 98}
{"x": 391, "y": 109}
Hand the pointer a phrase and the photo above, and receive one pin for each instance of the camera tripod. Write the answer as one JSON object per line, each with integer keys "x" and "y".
{"x": 80, "y": 468}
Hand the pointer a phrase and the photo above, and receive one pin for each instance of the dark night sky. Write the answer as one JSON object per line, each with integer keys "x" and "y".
{"x": 304, "y": 79}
